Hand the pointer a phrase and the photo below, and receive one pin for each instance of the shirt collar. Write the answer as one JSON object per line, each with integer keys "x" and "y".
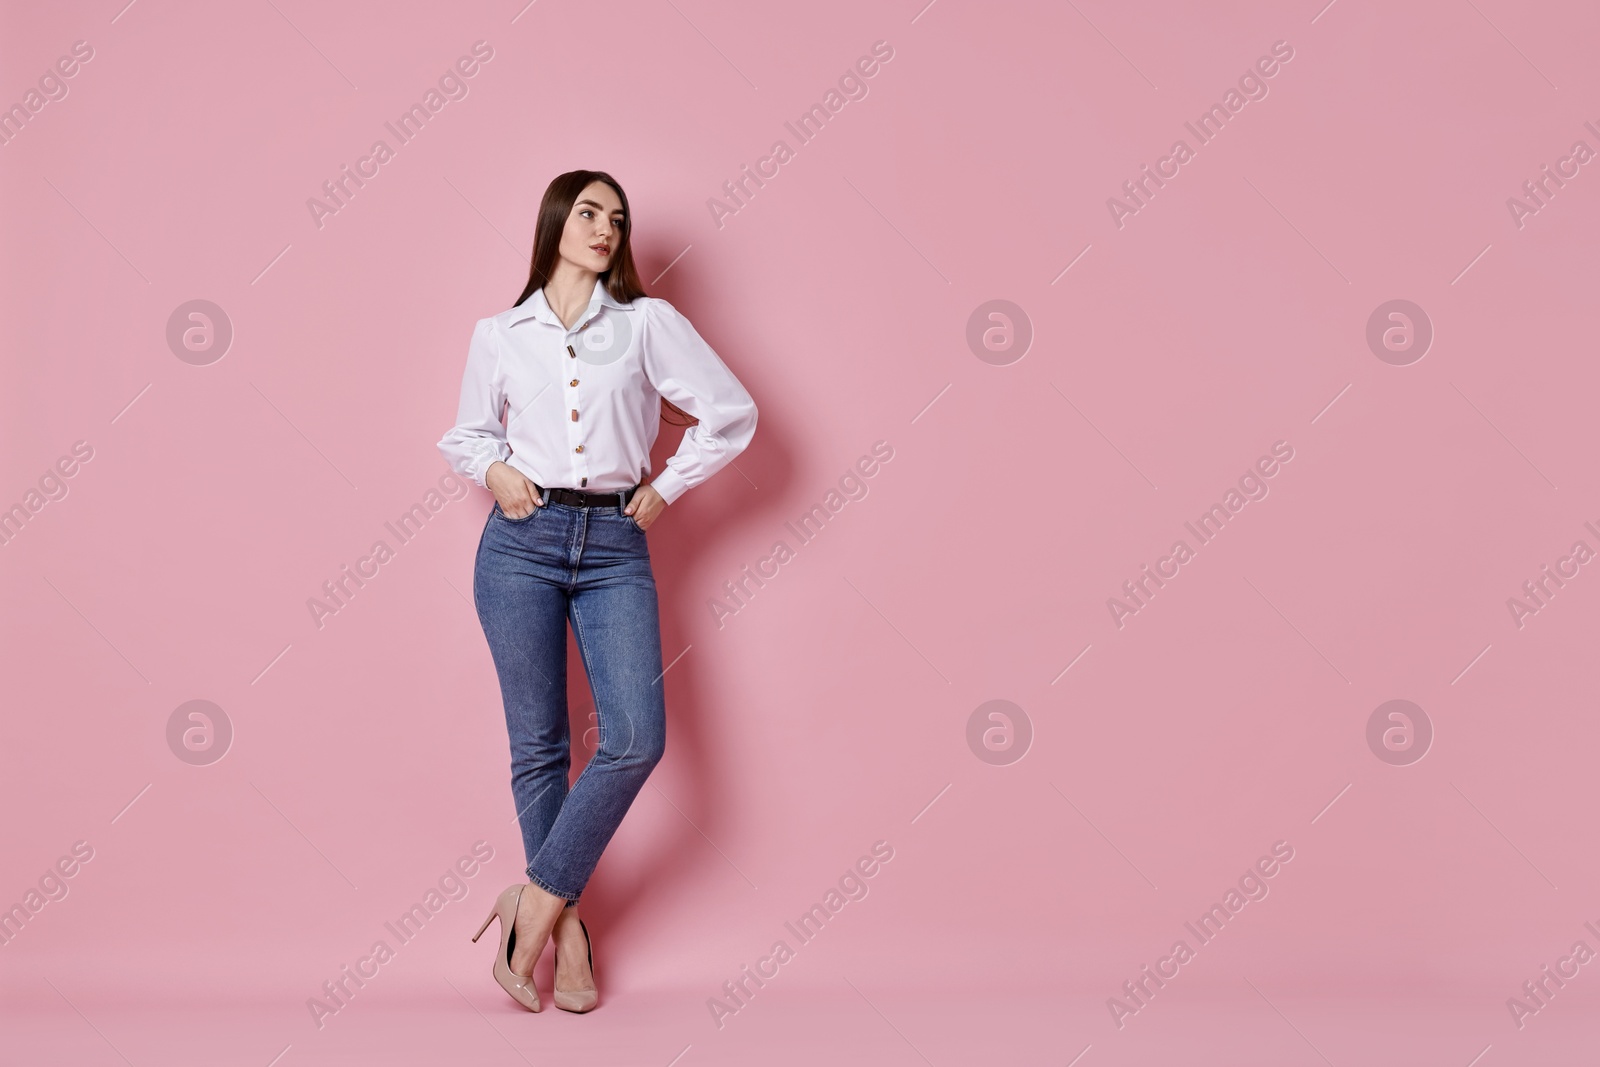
{"x": 537, "y": 307}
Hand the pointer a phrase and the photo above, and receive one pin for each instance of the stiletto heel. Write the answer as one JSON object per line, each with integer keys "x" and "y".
{"x": 519, "y": 987}
{"x": 580, "y": 1000}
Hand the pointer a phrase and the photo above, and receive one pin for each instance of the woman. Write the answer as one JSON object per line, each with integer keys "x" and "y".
{"x": 579, "y": 369}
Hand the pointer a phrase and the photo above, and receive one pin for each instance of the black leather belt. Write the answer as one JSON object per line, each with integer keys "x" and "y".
{"x": 576, "y": 499}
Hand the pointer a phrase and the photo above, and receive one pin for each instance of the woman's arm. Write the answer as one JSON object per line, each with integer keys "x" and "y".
{"x": 685, "y": 370}
{"x": 478, "y": 439}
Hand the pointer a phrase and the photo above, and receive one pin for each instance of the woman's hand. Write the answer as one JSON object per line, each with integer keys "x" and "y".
{"x": 514, "y": 491}
{"x": 646, "y": 506}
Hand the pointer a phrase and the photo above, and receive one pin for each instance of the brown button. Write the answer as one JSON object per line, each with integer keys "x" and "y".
{"x": 573, "y": 382}
{"x": 574, "y": 414}
{"x": 578, "y": 449}
{"x": 571, "y": 353}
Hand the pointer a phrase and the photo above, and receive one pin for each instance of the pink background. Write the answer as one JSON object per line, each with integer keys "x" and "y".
{"x": 1228, "y": 314}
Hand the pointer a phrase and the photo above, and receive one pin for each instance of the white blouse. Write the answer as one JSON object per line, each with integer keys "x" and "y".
{"x": 582, "y": 407}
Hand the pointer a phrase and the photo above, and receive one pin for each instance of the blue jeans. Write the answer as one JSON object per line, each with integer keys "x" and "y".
{"x": 589, "y": 566}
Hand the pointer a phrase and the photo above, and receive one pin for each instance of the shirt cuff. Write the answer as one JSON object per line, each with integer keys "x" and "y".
{"x": 486, "y": 459}
{"x": 670, "y": 484}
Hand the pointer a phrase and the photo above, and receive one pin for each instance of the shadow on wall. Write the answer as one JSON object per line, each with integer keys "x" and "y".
{"x": 686, "y": 781}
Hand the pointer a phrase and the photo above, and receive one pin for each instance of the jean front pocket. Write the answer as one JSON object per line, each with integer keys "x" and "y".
{"x": 507, "y": 518}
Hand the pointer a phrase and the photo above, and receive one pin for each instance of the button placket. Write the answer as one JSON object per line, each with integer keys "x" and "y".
{"x": 575, "y": 432}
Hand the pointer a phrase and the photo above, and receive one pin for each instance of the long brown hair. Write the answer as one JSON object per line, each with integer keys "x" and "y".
{"x": 621, "y": 281}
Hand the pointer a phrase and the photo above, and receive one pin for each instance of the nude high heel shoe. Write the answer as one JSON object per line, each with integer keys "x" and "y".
{"x": 580, "y": 1000}
{"x": 519, "y": 987}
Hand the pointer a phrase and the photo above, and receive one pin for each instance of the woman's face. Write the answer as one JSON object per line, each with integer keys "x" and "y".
{"x": 594, "y": 229}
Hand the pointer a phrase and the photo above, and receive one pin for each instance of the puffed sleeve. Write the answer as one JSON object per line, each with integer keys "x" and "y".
{"x": 478, "y": 439}
{"x": 684, "y": 369}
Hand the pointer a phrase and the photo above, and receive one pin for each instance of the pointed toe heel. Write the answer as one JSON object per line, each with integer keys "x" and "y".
{"x": 581, "y": 1000}
{"x": 519, "y": 987}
